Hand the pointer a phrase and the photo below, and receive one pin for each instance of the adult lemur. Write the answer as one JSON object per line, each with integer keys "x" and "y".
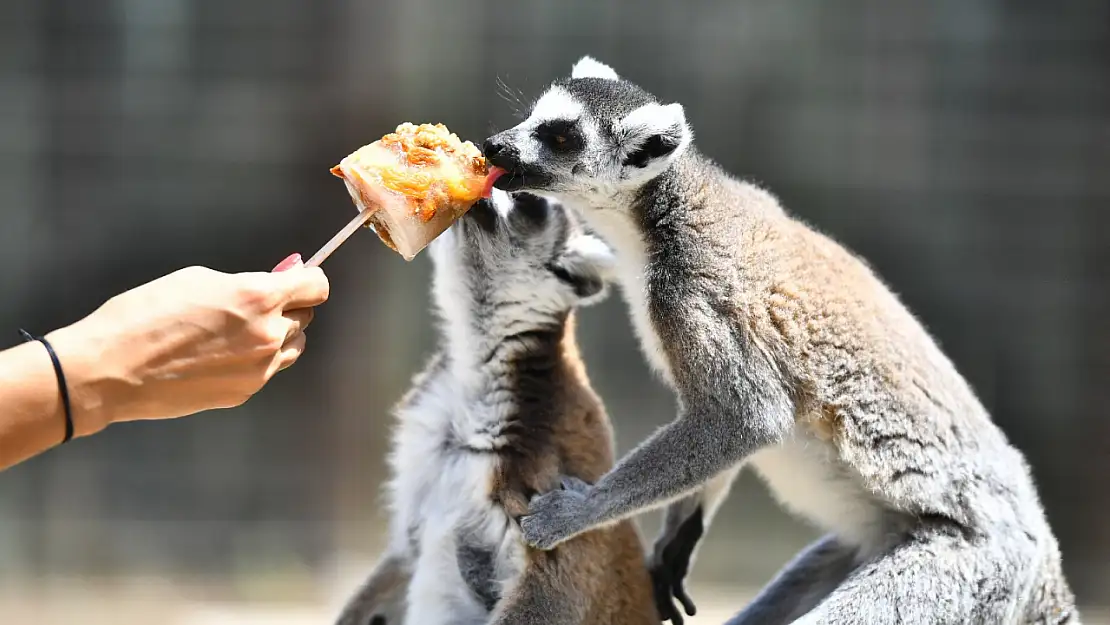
{"x": 502, "y": 412}
{"x": 788, "y": 353}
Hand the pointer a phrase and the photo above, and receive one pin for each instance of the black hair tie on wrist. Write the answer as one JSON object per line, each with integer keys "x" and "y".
{"x": 62, "y": 388}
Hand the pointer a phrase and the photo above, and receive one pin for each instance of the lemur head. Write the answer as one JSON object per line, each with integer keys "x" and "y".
{"x": 590, "y": 138}
{"x": 515, "y": 262}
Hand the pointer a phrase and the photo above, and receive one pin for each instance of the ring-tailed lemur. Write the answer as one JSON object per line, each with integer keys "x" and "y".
{"x": 788, "y": 352}
{"x": 502, "y": 412}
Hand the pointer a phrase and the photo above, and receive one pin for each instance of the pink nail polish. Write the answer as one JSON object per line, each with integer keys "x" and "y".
{"x": 289, "y": 262}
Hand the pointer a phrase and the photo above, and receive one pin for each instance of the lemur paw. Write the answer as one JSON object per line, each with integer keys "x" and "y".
{"x": 555, "y": 516}
{"x": 574, "y": 484}
{"x": 669, "y": 566}
{"x": 669, "y": 585}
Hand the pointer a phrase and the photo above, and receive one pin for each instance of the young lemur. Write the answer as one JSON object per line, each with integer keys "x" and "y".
{"x": 501, "y": 412}
{"x": 789, "y": 354}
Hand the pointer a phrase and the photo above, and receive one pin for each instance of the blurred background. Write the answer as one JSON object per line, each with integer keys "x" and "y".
{"x": 962, "y": 147}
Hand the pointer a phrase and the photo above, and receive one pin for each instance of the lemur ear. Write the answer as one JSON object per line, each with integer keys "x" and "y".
{"x": 650, "y": 137}
{"x": 589, "y": 67}
{"x": 587, "y": 264}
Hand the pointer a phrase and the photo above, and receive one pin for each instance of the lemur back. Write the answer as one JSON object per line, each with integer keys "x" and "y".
{"x": 501, "y": 412}
{"x": 790, "y": 355}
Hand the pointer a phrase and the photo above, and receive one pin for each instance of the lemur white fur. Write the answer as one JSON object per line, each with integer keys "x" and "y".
{"x": 789, "y": 355}
{"x": 589, "y": 67}
{"x": 491, "y": 416}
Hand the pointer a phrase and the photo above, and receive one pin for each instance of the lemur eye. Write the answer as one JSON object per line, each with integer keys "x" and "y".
{"x": 555, "y": 140}
{"x": 558, "y": 134}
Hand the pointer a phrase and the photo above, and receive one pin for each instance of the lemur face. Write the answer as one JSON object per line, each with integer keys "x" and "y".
{"x": 589, "y": 138}
{"x": 523, "y": 248}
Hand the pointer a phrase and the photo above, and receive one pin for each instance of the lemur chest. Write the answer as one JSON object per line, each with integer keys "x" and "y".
{"x": 634, "y": 288}
{"x": 439, "y": 483}
{"x": 453, "y": 488}
{"x": 631, "y": 276}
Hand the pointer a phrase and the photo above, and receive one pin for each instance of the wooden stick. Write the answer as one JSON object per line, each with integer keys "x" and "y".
{"x": 340, "y": 237}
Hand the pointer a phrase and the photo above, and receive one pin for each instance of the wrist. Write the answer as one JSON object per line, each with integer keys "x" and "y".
{"x": 97, "y": 390}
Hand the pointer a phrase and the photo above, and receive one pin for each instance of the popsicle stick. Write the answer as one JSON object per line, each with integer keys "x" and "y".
{"x": 340, "y": 237}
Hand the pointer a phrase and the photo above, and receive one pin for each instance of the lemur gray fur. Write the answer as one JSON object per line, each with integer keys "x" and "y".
{"x": 503, "y": 411}
{"x": 787, "y": 353}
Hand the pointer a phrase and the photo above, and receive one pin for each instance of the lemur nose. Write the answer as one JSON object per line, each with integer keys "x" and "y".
{"x": 493, "y": 147}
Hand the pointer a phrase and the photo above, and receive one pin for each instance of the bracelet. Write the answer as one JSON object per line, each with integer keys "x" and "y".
{"x": 62, "y": 388}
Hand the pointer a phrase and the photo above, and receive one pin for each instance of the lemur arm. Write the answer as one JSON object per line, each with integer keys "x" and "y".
{"x": 377, "y": 594}
{"x": 701, "y": 443}
{"x": 733, "y": 403}
{"x": 684, "y": 524}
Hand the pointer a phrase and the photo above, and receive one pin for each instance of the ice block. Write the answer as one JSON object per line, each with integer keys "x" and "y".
{"x": 411, "y": 185}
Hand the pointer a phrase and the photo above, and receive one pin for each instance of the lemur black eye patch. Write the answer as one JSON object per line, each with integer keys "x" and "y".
{"x": 560, "y": 133}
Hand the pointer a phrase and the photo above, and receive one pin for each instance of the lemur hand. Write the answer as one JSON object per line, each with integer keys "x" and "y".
{"x": 669, "y": 566}
{"x": 556, "y": 516}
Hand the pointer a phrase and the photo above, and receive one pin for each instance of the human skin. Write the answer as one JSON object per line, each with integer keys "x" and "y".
{"x": 193, "y": 340}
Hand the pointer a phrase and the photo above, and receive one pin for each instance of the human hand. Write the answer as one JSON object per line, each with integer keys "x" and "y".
{"x": 194, "y": 340}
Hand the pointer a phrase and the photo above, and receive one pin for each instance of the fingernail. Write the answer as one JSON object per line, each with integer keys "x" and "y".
{"x": 290, "y": 261}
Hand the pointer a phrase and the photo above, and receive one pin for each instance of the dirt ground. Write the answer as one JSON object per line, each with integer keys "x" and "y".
{"x": 116, "y": 609}
{"x": 147, "y": 601}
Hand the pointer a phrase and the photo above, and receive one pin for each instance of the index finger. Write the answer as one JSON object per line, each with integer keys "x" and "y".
{"x": 292, "y": 260}
{"x": 302, "y": 287}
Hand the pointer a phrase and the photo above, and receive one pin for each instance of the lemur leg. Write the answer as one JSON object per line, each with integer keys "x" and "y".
{"x": 801, "y": 584}
{"x": 936, "y": 577}
{"x": 702, "y": 442}
{"x": 541, "y": 596}
{"x": 684, "y": 523}
{"x": 378, "y": 594}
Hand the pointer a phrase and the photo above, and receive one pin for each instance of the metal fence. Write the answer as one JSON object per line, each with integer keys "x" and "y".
{"x": 962, "y": 147}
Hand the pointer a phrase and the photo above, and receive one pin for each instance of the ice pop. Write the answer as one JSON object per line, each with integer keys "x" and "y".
{"x": 409, "y": 186}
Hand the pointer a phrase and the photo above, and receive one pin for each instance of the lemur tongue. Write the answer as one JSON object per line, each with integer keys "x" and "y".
{"x": 494, "y": 173}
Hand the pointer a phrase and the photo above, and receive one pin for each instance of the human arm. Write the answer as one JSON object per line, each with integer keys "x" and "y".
{"x": 193, "y": 340}
{"x": 33, "y": 417}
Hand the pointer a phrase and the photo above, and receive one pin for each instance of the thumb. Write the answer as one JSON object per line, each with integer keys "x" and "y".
{"x": 304, "y": 287}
